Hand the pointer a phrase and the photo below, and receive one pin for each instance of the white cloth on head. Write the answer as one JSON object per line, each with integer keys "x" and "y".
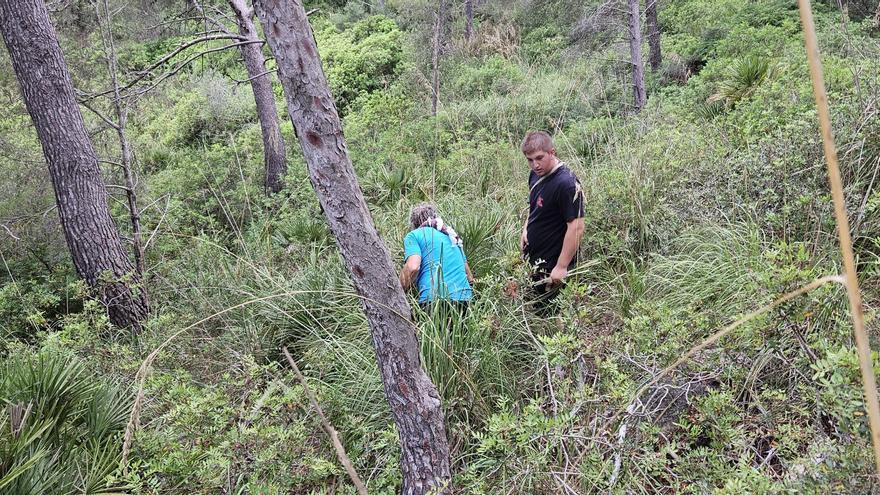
{"x": 437, "y": 223}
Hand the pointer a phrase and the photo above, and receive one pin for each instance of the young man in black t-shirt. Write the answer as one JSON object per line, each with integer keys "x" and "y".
{"x": 553, "y": 229}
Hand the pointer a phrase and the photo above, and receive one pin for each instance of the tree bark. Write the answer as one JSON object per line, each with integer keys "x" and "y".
{"x": 435, "y": 57}
{"x": 91, "y": 234}
{"x": 635, "y": 48}
{"x": 655, "y": 57}
{"x": 415, "y": 404}
{"x": 876, "y": 21}
{"x": 468, "y": 19}
{"x": 273, "y": 143}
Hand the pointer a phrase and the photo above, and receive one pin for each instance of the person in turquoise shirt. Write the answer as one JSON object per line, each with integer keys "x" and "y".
{"x": 434, "y": 258}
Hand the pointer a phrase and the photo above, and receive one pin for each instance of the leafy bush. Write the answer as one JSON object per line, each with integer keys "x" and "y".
{"x": 361, "y": 59}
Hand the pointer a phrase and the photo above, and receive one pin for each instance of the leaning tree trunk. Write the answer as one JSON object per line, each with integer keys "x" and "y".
{"x": 91, "y": 234}
{"x": 468, "y": 19}
{"x": 655, "y": 58}
{"x": 414, "y": 401}
{"x": 635, "y": 50}
{"x": 436, "y": 43}
{"x": 273, "y": 143}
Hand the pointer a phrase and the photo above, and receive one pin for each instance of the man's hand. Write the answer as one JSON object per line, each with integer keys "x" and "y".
{"x": 558, "y": 274}
{"x": 523, "y": 241}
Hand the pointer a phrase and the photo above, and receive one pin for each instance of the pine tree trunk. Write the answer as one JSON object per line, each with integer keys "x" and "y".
{"x": 436, "y": 45}
{"x": 91, "y": 234}
{"x": 267, "y": 113}
{"x": 655, "y": 58}
{"x": 468, "y": 19}
{"x": 635, "y": 49}
{"x": 415, "y": 404}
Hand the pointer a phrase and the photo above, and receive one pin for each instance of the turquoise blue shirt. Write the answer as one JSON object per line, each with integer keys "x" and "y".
{"x": 442, "y": 274}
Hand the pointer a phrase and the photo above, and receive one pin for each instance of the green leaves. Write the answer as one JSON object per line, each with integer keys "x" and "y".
{"x": 742, "y": 79}
{"x": 59, "y": 427}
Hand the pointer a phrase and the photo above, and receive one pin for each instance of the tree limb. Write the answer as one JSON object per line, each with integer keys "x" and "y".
{"x": 146, "y": 72}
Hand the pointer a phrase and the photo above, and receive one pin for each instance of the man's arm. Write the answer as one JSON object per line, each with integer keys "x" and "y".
{"x": 409, "y": 271}
{"x": 524, "y": 238}
{"x": 570, "y": 243}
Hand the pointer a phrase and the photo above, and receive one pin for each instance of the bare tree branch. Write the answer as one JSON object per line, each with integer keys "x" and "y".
{"x": 148, "y": 71}
{"x": 189, "y": 61}
{"x": 256, "y": 76}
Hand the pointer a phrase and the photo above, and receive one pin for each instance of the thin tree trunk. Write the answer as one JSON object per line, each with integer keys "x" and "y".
{"x": 876, "y": 21}
{"x": 91, "y": 234}
{"x": 655, "y": 57}
{"x": 415, "y": 404}
{"x": 468, "y": 19}
{"x": 435, "y": 58}
{"x": 273, "y": 143}
{"x": 635, "y": 49}
{"x": 125, "y": 149}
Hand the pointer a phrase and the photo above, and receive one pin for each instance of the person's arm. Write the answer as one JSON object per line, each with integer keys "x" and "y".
{"x": 467, "y": 271}
{"x": 573, "y": 233}
{"x": 524, "y": 238}
{"x": 409, "y": 271}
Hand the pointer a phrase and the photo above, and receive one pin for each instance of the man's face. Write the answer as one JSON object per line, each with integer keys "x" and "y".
{"x": 542, "y": 162}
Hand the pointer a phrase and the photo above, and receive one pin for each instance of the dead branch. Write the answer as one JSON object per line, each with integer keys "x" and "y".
{"x": 148, "y": 71}
{"x": 331, "y": 432}
{"x": 188, "y": 61}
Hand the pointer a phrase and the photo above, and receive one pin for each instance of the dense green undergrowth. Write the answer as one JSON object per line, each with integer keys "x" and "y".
{"x": 710, "y": 203}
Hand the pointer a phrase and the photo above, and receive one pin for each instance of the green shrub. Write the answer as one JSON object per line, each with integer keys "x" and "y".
{"x": 361, "y": 59}
{"x": 62, "y": 427}
{"x": 741, "y": 80}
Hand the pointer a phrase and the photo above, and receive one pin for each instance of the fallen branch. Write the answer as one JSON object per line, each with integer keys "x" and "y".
{"x": 328, "y": 428}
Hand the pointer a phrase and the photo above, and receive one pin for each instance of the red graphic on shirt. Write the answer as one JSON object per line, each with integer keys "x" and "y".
{"x": 540, "y": 201}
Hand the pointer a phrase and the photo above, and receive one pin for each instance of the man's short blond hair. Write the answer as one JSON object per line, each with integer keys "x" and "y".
{"x": 537, "y": 141}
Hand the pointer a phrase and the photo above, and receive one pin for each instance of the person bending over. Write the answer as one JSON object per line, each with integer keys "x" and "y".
{"x": 552, "y": 232}
{"x": 435, "y": 260}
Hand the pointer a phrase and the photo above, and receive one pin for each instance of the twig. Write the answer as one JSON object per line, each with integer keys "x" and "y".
{"x": 159, "y": 224}
{"x": 621, "y": 437}
{"x": 146, "y": 72}
{"x": 186, "y": 62}
{"x": 99, "y": 114}
{"x": 10, "y": 232}
{"x": 216, "y": 22}
{"x": 331, "y": 432}
{"x": 261, "y": 74}
{"x": 852, "y": 283}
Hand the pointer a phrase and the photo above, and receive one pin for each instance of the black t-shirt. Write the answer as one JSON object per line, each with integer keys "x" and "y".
{"x": 553, "y": 202}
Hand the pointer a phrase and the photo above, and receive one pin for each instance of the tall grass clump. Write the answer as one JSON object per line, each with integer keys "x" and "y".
{"x": 714, "y": 268}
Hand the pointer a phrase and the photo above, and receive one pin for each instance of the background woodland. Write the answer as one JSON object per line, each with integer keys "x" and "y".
{"x": 706, "y": 198}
